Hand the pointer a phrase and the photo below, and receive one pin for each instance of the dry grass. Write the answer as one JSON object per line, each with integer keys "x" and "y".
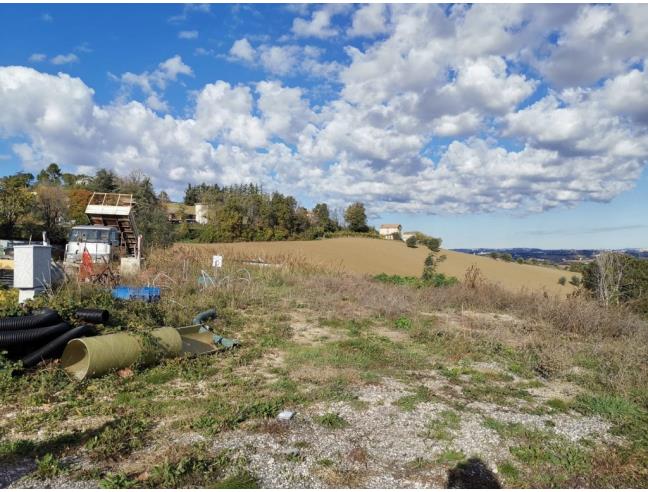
{"x": 555, "y": 333}
{"x": 374, "y": 256}
{"x": 376, "y": 331}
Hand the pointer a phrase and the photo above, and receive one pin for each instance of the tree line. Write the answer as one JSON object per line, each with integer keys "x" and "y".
{"x": 54, "y": 201}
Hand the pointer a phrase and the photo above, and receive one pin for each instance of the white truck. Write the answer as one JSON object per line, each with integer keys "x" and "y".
{"x": 111, "y": 235}
{"x": 102, "y": 242}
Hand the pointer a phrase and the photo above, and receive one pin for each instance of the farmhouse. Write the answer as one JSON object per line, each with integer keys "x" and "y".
{"x": 387, "y": 231}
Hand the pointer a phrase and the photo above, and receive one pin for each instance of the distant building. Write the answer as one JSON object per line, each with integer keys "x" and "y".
{"x": 387, "y": 231}
{"x": 179, "y": 212}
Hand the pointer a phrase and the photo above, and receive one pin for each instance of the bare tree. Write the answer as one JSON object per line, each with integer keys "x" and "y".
{"x": 609, "y": 277}
{"x": 52, "y": 205}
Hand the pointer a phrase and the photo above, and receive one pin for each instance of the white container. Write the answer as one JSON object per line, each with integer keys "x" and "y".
{"x": 27, "y": 294}
{"x": 32, "y": 266}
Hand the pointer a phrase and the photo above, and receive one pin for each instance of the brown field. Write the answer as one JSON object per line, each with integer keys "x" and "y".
{"x": 373, "y": 256}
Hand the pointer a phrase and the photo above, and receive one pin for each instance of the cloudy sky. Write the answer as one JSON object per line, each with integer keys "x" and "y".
{"x": 490, "y": 125}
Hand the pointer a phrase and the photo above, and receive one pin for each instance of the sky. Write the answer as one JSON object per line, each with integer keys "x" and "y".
{"x": 487, "y": 125}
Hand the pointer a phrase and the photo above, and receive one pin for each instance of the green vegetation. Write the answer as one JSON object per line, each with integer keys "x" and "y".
{"x": 356, "y": 217}
{"x": 410, "y": 402}
{"x": 118, "y": 438}
{"x": 432, "y": 279}
{"x": 441, "y": 428}
{"x": 332, "y": 421}
{"x": 55, "y": 201}
{"x": 48, "y": 466}
{"x": 450, "y": 456}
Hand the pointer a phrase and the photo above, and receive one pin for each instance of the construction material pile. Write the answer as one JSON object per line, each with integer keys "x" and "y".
{"x": 44, "y": 335}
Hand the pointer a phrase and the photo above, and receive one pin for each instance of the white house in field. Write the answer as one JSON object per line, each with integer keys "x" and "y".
{"x": 387, "y": 231}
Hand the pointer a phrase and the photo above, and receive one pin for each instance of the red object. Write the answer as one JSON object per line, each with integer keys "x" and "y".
{"x": 87, "y": 266}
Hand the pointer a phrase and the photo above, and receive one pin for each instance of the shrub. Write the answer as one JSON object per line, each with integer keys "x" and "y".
{"x": 575, "y": 281}
{"x": 411, "y": 242}
{"x": 562, "y": 280}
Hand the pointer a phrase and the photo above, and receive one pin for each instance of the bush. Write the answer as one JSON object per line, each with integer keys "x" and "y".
{"x": 411, "y": 242}
{"x": 562, "y": 280}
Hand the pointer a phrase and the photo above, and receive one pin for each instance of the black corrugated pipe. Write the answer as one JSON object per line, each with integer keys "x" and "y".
{"x": 31, "y": 338}
{"x": 92, "y": 315}
{"x": 46, "y": 317}
{"x": 54, "y": 349}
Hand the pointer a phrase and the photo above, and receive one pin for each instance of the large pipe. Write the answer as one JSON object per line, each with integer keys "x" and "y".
{"x": 31, "y": 338}
{"x": 46, "y": 317}
{"x": 54, "y": 349}
{"x": 97, "y": 316}
{"x": 96, "y": 356}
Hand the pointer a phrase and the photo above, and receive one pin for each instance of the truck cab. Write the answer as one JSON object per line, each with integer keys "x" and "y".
{"x": 102, "y": 242}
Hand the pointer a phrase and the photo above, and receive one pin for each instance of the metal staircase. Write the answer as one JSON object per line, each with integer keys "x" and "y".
{"x": 115, "y": 210}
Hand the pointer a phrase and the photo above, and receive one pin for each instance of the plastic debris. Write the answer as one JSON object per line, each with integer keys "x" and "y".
{"x": 285, "y": 415}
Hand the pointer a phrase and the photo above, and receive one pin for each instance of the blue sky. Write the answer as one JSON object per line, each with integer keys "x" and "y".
{"x": 490, "y": 125}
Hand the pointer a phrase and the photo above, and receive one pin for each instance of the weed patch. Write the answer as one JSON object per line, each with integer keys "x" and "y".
{"x": 48, "y": 466}
{"x": 442, "y": 427}
{"x": 331, "y": 421}
{"x": 119, "y": 438}
{"x": 409, "y": 402}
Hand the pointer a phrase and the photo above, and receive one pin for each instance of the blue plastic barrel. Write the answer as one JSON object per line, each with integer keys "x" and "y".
{"x": 147, "y": 294}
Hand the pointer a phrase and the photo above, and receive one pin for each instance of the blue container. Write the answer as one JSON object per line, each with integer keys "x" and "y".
{"x": 147, "y": 294}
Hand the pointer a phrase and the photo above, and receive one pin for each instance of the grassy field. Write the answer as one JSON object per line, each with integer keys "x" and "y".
{"x": 373, "y": 256}
{"x": 392, "y": 385}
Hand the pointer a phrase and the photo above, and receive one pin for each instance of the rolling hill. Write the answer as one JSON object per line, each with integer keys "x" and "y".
{"x": 373, "y": 256}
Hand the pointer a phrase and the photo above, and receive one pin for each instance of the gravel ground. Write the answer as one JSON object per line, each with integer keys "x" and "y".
{"x": 382, "y": 445}
{"x": 382, "y": 442}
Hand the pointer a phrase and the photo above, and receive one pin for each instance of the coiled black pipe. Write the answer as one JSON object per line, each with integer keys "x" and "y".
{"x": 54, "y": 348}
{"x": 32, "y": 337}
{"x": 46, "y": 317}
{"x": 92, "y": 315}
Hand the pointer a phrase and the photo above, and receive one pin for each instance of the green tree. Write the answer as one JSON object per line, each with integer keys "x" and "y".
{"x": 196, "y": 194}
{"x": 51, "y": 175}
{"x": 15, "y": 201}
{"x": 323, "y": 217}
{"x": 105, "y": 181}
{"x": 356, "y": 217}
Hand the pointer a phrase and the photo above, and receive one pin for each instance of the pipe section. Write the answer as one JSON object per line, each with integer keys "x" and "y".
{"x": 96, "y": 316}
{"x": 54, "y": 349}
{"x": 31, "y": 337}
{"x": 46, "y": 317}
{"x": 96, "y": 356}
